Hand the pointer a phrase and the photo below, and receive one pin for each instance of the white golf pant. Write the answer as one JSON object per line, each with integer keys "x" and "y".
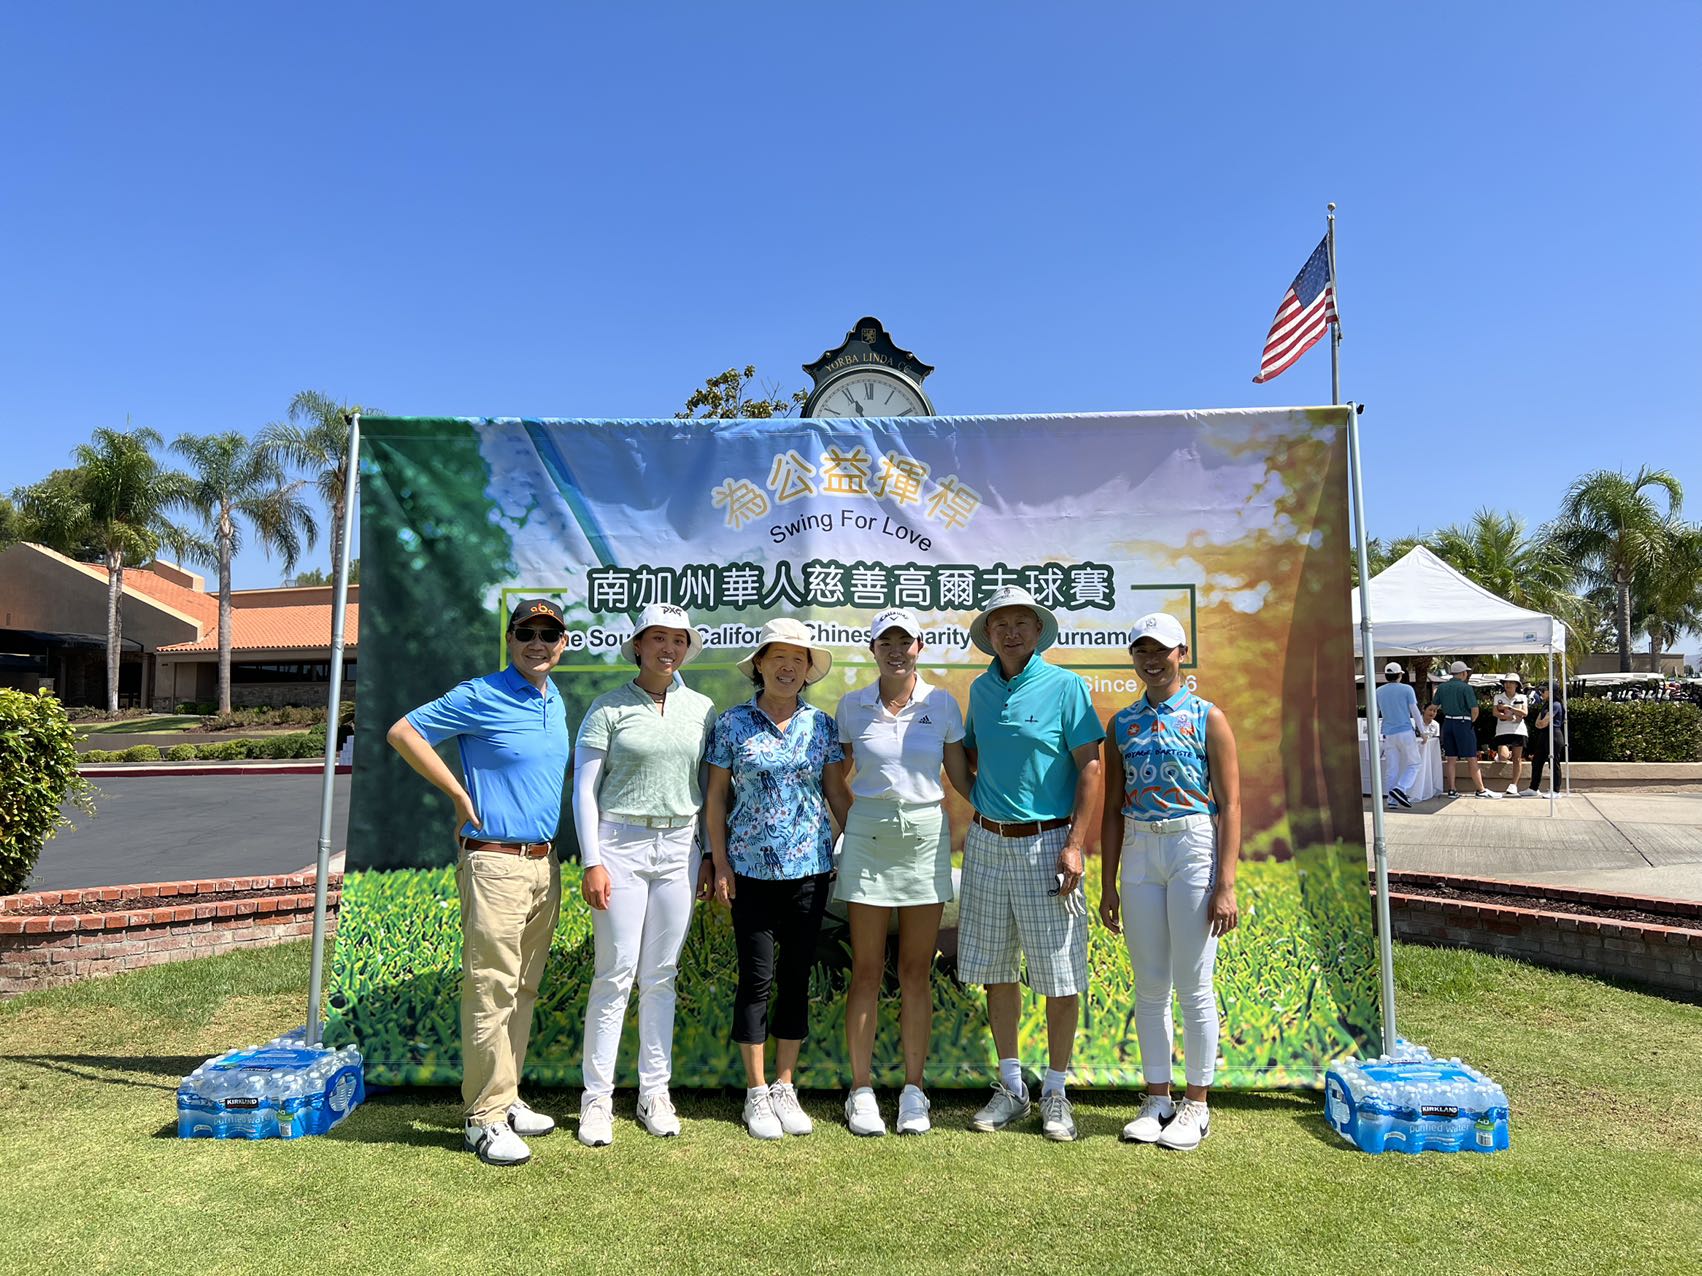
{"x": 1166, "y": 881}
{"x": 1401, "y": 761}
{"x": 653, "y": 880}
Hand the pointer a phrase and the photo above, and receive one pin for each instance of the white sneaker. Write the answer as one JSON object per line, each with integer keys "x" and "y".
{"x": 1156, "y": 1112}
{"x": 496, "y": 1144}
{"x": 1003, "y": 1108}
{"x": 656, "y": 1114}
{"x": 1485, "y": 793}
{"x": 1188, "y": 1129}
{"x": 1513, "y": 790}
{"x": 759, "y": 1116}
{"x": 1529, "y": 793}
{"x": 863, "y": 1114}
{"x": 913, "y": 1108}
{"x": 522, "y": 1120}
{"x": 1057, "y": 1121}
{"x": 793, "y": 1118}
{"x": 597, "y": 1121}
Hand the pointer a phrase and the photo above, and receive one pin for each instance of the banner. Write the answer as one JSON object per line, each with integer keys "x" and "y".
{"x": 1233, "y": 521}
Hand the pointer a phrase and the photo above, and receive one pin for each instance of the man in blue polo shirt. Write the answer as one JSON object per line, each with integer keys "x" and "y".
{"x": 511, "y": 727}
{"x": 1033, "y": 741}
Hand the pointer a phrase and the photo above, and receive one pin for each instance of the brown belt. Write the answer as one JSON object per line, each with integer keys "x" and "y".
{"x": 1023, "y": 828}
{"x": 530, "y": 850}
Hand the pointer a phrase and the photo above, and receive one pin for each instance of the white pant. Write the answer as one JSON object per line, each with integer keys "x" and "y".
{"x": 1402, "y": 761}
{"x": 653, "y": 880}
{"x": 1166, "y": 884}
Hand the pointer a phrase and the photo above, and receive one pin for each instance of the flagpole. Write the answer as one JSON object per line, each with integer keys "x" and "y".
{"x": 1373, "y": 724}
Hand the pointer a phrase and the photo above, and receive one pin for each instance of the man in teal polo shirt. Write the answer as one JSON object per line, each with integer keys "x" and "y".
{"x": 1033, "y": 743}
{"x": 1457, "y": 700}
{"x": 511, "y": 727}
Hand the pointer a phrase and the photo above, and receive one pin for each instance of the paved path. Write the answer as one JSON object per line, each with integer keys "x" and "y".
{"x": 1629, "y": 842}
{"x": 180, "y": 827}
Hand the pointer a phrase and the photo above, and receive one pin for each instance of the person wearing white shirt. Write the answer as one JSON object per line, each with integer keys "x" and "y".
{"x": 1511, "y": 708}
{"x": 898, "y": 732}
{"x": 1403, "y": 734}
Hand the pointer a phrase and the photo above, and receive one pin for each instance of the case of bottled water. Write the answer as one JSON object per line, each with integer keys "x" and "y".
{"x": 281, "y": 1090}
{"x": 1409, "y": 1101}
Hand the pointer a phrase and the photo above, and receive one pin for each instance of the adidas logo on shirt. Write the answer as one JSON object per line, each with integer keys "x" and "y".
{"x": 925, "y": 718}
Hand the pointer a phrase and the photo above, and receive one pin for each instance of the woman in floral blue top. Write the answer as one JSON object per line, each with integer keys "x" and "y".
{"x": 776, "y": 771}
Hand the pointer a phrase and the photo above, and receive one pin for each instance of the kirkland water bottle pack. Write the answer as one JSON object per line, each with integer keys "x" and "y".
{"x": 281, "y": 1090}
{"x": 1410, "y": 1102}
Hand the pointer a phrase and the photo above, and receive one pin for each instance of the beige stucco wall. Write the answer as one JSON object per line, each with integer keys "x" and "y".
{"x": 45, "y": 591}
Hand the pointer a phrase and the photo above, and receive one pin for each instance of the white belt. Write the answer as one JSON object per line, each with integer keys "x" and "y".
{"x": 1175, "y": 824}
{"x": 652, "y": 821}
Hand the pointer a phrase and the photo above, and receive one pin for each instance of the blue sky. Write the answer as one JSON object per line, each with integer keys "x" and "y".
{"x": 584, "y": 211}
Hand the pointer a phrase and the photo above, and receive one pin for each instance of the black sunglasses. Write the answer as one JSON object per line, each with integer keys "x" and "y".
{"x": 550, "y": 635}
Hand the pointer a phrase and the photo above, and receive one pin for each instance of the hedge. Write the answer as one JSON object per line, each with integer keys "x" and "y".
{"x": 1634, "y": 730}
{"x": 38, "y": 773}
{"x": 297, "y": 744}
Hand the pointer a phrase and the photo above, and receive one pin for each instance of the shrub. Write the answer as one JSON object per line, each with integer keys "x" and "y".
{"x": 101, "y": 755}
{"x": 1634, "y": 731}
{"x": 223, "y": 751}
{"x": 199, "y": 708}
{"x": 181, "y": 753}
{"x": 38, "y": 773}
{"x": 140, "y": 753}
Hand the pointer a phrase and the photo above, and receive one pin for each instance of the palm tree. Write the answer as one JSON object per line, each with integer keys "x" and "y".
{"x": 1668, "y": 602}
{"x": 1380, "y": 554}
{"x": 234, "y": 478}
{"x": 1612, "y": 529}
{"x": 126, "y": 494}
{"x": 316, "y": 437}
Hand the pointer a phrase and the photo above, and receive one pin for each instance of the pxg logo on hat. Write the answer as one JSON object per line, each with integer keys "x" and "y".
{"x": 1161, "y": 627}
{"x": 536, "y": 609}
{"x": 901, "y": 618}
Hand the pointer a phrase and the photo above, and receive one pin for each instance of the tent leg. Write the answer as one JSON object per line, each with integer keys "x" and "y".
{"x": 1551, "y": 728}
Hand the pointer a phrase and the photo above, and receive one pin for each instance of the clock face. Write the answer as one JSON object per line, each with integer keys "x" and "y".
{"x": 869, "y": 393}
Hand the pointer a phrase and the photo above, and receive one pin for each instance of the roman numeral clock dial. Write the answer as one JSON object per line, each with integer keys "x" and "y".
{"x": 868, "y": 376}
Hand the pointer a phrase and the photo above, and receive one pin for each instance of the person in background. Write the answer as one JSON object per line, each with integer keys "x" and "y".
{"x": 897, "y": 732}
{"x": 1548, "y": 708}
{"x": 1511, "y": 707}
{"x": 776, "y": 774}
{"x": 637, "y": 791}
{"x": 512, "y": 730}
{"x": 1403, "y": 730}
{"x": 1170, "y": 840}
{"x": 1457, "y": 700}
{"x": 1432, "y": 728}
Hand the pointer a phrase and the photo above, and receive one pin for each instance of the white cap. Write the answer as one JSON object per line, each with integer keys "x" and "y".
{"x": 664, "y": 616}
{"x": 895, "y": 618}
{"x": 1161, "y": 627}
{"x": 1394, "y": 666}
{"x": 1459, "y": 666}
{"x": 796, "y": 633}
{"x": 1013, "y": 596}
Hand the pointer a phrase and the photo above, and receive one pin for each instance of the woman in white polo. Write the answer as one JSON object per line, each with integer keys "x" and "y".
{"x": 637, "y": 790}
{"x": 897, "y": 733}
{"x": 1172, "y": 825}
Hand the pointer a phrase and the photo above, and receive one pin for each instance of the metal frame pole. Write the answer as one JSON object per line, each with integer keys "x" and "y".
{"x": 327, "y": 797}
{"x": 1551, "y": 717}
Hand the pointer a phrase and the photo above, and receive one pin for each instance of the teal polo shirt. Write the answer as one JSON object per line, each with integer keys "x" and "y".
{"x": 514, "y": 747}
{"x": 1456, "y": 699}
{"x": 1023, "y": 731}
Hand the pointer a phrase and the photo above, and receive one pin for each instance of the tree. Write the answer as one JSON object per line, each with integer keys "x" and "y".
{"x": 726, "y": 396}
{"x": 313, "y": 576}
{"x": 10, "y": 520}
{"x": 38, "y": 776}
{"x": 1611, "y": 528}
{"x": 234, "y": 479}
{"x": 1528, "y": 570}
{"x": 54, "y": 513}
{"x": 316, "y": 438}
{"x": 126, "y": 493}
{"x": 1380, "y": 554}
{"x": 1667, "y": 601}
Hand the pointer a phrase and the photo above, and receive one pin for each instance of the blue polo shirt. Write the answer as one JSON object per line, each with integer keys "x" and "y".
{"x": 514, "y": 748}
{"x": 1023, "y": 731}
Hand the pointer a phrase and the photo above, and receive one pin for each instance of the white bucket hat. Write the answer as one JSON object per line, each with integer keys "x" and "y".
{"x": 797, "y": 633}
{"x": 1013, "y": 596}
{"x": 664, "y": 616}
{"x": 1513, "y": 677}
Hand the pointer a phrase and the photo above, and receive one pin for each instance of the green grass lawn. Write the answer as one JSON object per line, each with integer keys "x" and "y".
{"x": 1605, "y": 1171}
{"x": 141, "y": 726}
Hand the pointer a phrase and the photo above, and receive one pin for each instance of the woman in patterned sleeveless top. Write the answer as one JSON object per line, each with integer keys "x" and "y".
{"x": 1169, "y": 845}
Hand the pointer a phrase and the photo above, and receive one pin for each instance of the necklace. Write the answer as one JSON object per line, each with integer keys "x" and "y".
{"x": 656, "y": 697}
{"x": 893, "y": 706}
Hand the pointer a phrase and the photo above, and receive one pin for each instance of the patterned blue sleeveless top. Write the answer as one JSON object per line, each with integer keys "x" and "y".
{"x": 1165, "y": 770}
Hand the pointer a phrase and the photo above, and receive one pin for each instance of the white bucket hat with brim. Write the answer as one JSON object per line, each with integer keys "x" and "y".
{"x": 796, "y": 633}
{"x": 1513, "y": 677}
{"x": 1013, "y": 596}
{"x": 663, "y": 616}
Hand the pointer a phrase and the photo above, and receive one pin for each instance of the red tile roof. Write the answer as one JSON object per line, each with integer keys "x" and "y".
{"x": 271, "y": 628}
{"x": 199, "y": 607}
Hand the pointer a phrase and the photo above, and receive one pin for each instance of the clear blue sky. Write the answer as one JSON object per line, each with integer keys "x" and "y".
{"x": 563, "y": 210}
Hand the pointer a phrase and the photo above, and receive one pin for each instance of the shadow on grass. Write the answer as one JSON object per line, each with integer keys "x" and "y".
{"x": 168, "y": 1069}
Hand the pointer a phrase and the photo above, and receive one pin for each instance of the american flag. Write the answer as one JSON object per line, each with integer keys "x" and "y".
{"x": 1308, "y": 309}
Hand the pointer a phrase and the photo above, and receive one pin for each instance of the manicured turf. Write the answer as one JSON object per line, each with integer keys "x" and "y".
{"x": 1605, "y": 1172}
{"x": 141, "y": 726}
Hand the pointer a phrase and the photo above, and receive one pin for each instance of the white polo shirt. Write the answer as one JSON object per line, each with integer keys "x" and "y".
{"x": 898, "y": 755}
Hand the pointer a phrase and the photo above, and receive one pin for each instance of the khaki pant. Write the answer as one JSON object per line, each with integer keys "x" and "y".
{"x": 509, "y": 907}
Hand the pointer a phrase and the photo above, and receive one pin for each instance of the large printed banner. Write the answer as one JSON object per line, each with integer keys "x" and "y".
{"x": 1233, "y": 521}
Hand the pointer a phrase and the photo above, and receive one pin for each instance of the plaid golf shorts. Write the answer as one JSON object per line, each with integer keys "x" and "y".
{"x": 1006, "y": 915}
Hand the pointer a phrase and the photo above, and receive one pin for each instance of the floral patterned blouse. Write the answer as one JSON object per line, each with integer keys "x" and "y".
{"x": 778, "y": 826}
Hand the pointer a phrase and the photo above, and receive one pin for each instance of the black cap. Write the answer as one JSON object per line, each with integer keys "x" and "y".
{"x": 534, "y": 609}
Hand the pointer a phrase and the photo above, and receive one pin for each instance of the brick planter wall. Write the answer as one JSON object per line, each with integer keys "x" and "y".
{"x": 1667, "y": 958}
{"x": 125, "y": 927}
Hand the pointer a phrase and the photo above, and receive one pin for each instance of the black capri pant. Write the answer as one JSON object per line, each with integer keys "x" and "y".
{"x": 775, "y": 925}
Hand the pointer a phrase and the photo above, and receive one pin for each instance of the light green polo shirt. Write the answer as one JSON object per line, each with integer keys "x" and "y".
{"x": 651, "y": 758}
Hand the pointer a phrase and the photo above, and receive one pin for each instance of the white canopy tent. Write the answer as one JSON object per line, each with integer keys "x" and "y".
{"x": 1420, "y": 606}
